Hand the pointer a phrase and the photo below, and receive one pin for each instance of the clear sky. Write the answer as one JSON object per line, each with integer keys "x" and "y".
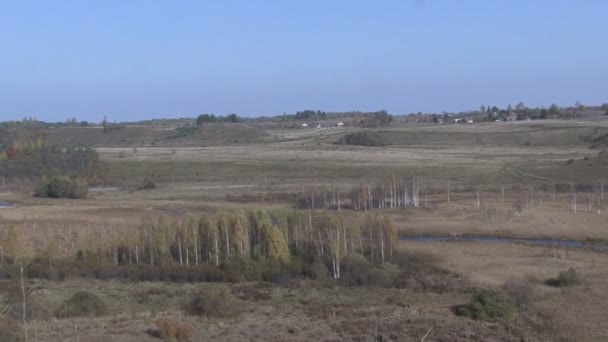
{"x": 136, "y": 59}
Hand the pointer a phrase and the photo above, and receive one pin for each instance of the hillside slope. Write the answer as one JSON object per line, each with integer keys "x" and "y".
{"x": 145, "y": 136}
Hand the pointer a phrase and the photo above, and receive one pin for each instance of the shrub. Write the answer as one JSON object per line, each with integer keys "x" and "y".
{"x": 365, "y": 138}
{"x": 319, "y": 271}
{"x": 214, "y": 302}
{"x": 489, "y": 304}
{"x": 522, "y": 291}
{"x": 171, "y": 329}
{"x": 147, "y": 184}
{"x": 355, "y": 270}
{"x": 565, "y": 279}
{"x": 61, "y": 187}
{"x": 81, "y": 304}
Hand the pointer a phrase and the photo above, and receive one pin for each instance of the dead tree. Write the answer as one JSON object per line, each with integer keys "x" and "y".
{"x": 573, "y": 196}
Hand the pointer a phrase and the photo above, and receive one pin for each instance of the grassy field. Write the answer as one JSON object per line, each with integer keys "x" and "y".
{"x": 227, "y": 167}
{"x": 493, "y": 153}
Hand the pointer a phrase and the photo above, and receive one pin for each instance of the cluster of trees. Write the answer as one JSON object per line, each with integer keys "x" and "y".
{"x": 517, "y": 112}
{"x": 30, "y": 162}
{"x": 522, "y": 112}
{"x": 362, "y": 119}
{"x": 373, "y": 119}
{"x": 210, "y": 118}
{"x": 389, "y": 193}
{"x": 25, "y": 155}
{"x": 276, "y": 236}
{"x": 72, "y": 122}
{"x": 62, "y": 187}
{"x": 309, "y": 114}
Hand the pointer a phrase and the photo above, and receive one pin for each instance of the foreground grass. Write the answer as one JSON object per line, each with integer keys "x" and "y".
{"x": 309, "y": 310}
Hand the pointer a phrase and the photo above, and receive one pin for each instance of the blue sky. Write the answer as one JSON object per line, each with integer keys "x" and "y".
{"x": 136, "y": 59}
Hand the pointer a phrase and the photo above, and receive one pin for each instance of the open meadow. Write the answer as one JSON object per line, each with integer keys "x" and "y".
{"x": 261, "y": 232}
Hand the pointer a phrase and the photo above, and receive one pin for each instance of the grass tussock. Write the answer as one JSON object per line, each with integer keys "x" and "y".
{"x": 214, "y": 302}
{"x": 170, "y": 329}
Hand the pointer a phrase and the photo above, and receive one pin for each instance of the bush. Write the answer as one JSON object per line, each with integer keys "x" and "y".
{"x": 81, "y": 304}
{"x": 565, "y": 279}
{"x": 171, "y": 329}
{"x": 319, "y": 271}
{"x": 365, "y": 138}
{"x": 355, "y": 270}
{"x": 147, "y": 184}
{"x": 214, "y": 302}
{"x": 61, "y": 187}
{"x": 489, "y": 304}
{"x": 521, "y": 291}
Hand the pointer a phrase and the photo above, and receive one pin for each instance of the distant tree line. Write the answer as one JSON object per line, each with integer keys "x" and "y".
{"x": 311, "y": 115}
{"x": 523, "y": 112}
{"x": 211, "y": 118}
{"x": 362, "y": 119}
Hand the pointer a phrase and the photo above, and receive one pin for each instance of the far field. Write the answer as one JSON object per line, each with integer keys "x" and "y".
{"x": 536, "y": 156}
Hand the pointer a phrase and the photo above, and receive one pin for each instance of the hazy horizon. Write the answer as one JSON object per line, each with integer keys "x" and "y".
{"x": 134, "y": 60}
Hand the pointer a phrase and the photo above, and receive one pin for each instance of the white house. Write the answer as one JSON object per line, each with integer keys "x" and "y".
{"x": 340, "y": 124}
{"x": 304, "y": 125}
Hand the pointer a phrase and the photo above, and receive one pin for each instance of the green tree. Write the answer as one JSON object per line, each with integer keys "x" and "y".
{"x": 104, "y": 124}
{"x": 205, "y": 118}
{"x": 554, "y": 109}
{"x": 276, "y": 247}
{"x": 232, "y": 118}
